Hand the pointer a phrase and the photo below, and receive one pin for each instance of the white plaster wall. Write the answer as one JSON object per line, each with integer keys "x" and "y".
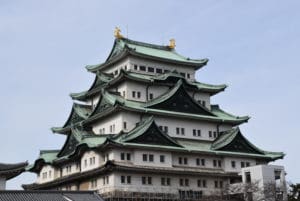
{"x": 99, "y": 160}
{"x": 116, "y": 155}
{"x": 115, "y": 119}
{"x": 238, "y": 160}
{"x": 131, "y": 86}
{"x": 200, "y": 96}
{"x": 55, "y": 173}
{"x": 117, "y": 66}
{"x": 189, "y": 125}
{"x": 74, "y": 169}
{"x": 136, "y": 183}
{"x": 164, "y": 66}
{"x": 138, "y": 158}
{"x": 192, "y": 160}
{"x": 157, "y": 90}
{"x": 73, "y": 187}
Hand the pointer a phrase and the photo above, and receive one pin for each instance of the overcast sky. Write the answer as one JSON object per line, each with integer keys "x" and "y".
{"x": 253, "y": 46}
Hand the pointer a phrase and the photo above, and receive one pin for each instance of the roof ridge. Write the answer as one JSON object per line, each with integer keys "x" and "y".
{"x": 151, "y": 45}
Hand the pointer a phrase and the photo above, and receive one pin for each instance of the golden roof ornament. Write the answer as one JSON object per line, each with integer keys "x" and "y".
{"x": 172, "y": 43}
{"x": 117, "y": 33}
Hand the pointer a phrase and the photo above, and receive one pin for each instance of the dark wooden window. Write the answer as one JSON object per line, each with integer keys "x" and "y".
{"x": 143, "y": 68}
{"x": 158, "y": 70}
{"x": 151, "y": 69}
{"x": 162, "y": 158}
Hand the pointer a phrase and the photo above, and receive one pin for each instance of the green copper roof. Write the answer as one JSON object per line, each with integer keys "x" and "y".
{"x": 101, "y": 79}
{"x": 79, "y": 113}
{"x": 162, "y": 79}
{"x": 145, "y": 128}
{"x": 147, "y": 132}
{"x": 114, "y": 102}
{"x": 124, "y": 47}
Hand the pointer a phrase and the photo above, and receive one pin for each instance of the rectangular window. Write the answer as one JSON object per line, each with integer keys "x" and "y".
{"x": 122, "y": 156}
{"x": 199, "y": 182}
{"x": 198, "y": 161}
{"x": 188, "y": 76}
{"x": 158, "y": 70}
{"x": 144, "y": 180}
{"x": 233, "y": 164}
{"x": 122, "y": 179}
{"x": 210, "y": 134}
{"x": 151, "y": 157}
{"x": 247, "y": 164}
{"x": 216, "y": 184}
{"x": 133, "y": 94}
{"x": 163, "y": 181}
{"x": 203, "y": 162}
{"x": 221, "y": 184}
{"x": 166, "y": 130}
{"x": 181, "y": 182}
{"x": 128, "y": 179}
{"x": 182, "y": 131}
{"x": 180, "y": 160}
{"x": 150, "y": 96}
{"x": 185, "y": 160}
{"x": 85, "y": 163}
{"x": 160, "y": 128}
{"x": 151, "y": 69}
{"x": 142, "y": 68}
{"x": 138, "y": 94}
{"x": 145, "y": 157}
{"x": 204, "y": 183}
{"x": 124, "y": 94}
{"x": 135, "y": 67}
{"x": 186, "y": 182}
{"x": 219, "y": 163}
{"x": 168, "y": 181}
{"x": 215, "y": 163}
{"x": 149, "y": 180}
{"x": 177, "y": 131}
{"x": 248, "y": 177}
{"x": 125, "y": 125}
{"x": 194, "y": 132}
{"x": 128, "y": 156}
{"x": 162, "y": 158}
{"x": 125, "y": 67}
{"x": 242, "y": 164}
{"x": 183, "y": 74}
{"x": 215, "y": 134}
{"x": 199, "y": 133}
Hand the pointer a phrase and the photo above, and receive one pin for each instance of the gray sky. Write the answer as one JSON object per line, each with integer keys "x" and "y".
{"x": 253, "y": 46}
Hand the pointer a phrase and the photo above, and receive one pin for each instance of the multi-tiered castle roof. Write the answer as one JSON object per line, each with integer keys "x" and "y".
{"x": 104, "y": 99}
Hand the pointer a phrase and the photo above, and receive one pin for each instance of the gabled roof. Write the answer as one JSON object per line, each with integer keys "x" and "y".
{"x": 168, "y": 78}
{"x": 42, "y": 195}
{"x": 114, "y": 103}
{"x": 124, "y": 47}
{"x": 9, "y": 170}
{"x": 45, "y": 157}
{"x": 147, "y": 132}
{"x": 234, "y": 141}
{"x": 178, "y": 100}
{"x": 101, "y": 79}
{"x": 79, "y": 113}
